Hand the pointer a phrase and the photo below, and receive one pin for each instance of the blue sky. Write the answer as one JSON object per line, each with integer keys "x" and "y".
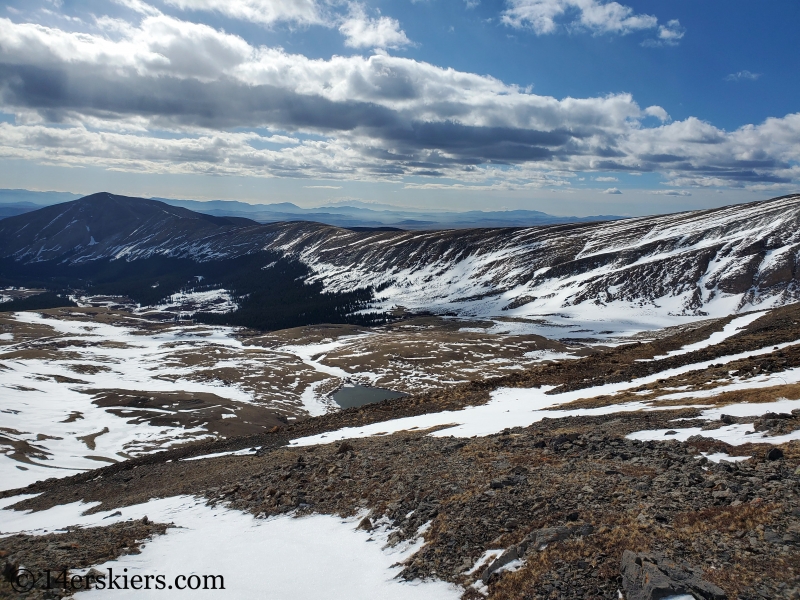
{"x": 567, "y": 106}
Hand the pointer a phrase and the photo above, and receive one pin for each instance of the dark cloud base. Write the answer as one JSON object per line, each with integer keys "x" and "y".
{"x": 390, "y": 142}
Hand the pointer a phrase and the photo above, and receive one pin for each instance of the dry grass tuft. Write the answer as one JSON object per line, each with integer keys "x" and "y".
{"x": 725, "y": 518}
{"x": 602, "y": 551}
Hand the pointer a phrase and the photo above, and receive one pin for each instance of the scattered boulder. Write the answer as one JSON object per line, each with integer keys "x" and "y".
{"x": 774, "y": 454}
{"x": 535, "y": 540}
{"x": 10, "y": 570}
{"x": 365, "y": 524}
{"x": 510, "y": 555}
{"x": 652, "y": 577}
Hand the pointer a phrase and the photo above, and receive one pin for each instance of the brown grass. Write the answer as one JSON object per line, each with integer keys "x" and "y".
{"x": 724, "y": 518}
{"x": 749, "y": 570}
{"x": 602, "y": 550}
{"x": 754, "y": 396}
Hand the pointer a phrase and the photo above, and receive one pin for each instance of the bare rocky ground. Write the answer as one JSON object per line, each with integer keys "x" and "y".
{"x": 587, "y": 511}
{"x": 76, "y": 548}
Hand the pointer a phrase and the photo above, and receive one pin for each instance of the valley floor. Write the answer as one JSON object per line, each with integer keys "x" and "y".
{"x": 672, "y": 458}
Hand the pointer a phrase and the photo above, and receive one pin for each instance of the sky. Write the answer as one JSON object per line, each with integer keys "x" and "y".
{"x": 578, "y": 107}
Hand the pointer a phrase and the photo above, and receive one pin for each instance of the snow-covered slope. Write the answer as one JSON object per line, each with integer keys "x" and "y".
{"x": 108, "y": 226}
{"x": 650, "y": 271}
{"x": 712, "y": 262}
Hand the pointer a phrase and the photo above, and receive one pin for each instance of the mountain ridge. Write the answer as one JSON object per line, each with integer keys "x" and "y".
{"x": 350, "y": 214}
{"x": 651, "y": 270}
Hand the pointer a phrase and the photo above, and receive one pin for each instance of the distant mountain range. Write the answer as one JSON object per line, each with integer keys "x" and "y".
{"x": 17, "y": 202}
{"x": 656, "y": 270}
{"x": 351, "y": 215}
{"x": 381, "y": 215}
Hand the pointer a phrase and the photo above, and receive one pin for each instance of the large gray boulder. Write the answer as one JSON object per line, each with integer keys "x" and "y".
{"x": 652, "y": 577}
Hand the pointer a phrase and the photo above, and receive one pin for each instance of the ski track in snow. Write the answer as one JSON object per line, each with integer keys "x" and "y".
{"x": 306, "y": 558}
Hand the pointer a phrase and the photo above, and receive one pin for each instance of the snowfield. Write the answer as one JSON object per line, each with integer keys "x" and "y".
{"x": 515, "y": 407}
{"x": 617, "y": 277}
{"x": 86, "y": 393}
{"x": 188, "y": 303}
{"x": 305, "y": 558}
{"x": 126, "y": 386}
{"x": 53, "y": 425}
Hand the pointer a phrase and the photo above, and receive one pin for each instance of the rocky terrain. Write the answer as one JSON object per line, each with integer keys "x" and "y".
{"x": 566, "y": 507}
{"x": 575, "y": 485}
{"x": 130, "y": 382}
{"x": 619, "y": 418}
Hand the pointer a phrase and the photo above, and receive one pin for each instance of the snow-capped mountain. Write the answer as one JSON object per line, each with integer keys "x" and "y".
{"x": 649, "y": 269}
{"x": 694, "y": 263}
{"x": 106, "y": 226}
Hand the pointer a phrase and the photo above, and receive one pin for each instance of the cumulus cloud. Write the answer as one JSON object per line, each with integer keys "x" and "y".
{"x": 265, "y": 12}
{"x": 671, "y": 32}
{"x": 742, "y": 75}
{"x": 657, "y": 112}
{"x": 612, "y": 191}
{"x": 594, "y": 15}
{"x": 668, "y": 35}
{"x": 168, "y": 95}
{"x": 360, "y": 31}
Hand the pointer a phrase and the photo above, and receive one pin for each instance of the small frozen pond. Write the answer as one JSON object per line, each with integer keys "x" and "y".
{"x": 359, "y": 395}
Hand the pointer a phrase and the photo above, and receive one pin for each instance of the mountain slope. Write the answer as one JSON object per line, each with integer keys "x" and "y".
{"x": 687, "y": 264}
{"x": 106, "y": 225}
{"x": 648, "y": 271}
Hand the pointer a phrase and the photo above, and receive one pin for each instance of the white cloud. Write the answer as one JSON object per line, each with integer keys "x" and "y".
{"x": 671, "y": 193}
{"x": 323, "y": 187}
{"x": 594, "y": 15}
{"x": 740, "y": 75}
{"x": 360, "y": 31}
{"x": 612, "y": 191}
{"x": 671, "y": 32}
{"x": 668, "y": 35}
{"x": 264, "y": 12}
{"x": 282, "y": 140}
{"x": 138, "y": 6}
{"x": 606, "y": 179}
{"x": 161, "y": 45}
{"x": 657, "y": 112}
{"x": 166, "y": 95}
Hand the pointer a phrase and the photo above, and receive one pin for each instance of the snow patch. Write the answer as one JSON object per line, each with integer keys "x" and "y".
{"x": 311, "y": 557}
